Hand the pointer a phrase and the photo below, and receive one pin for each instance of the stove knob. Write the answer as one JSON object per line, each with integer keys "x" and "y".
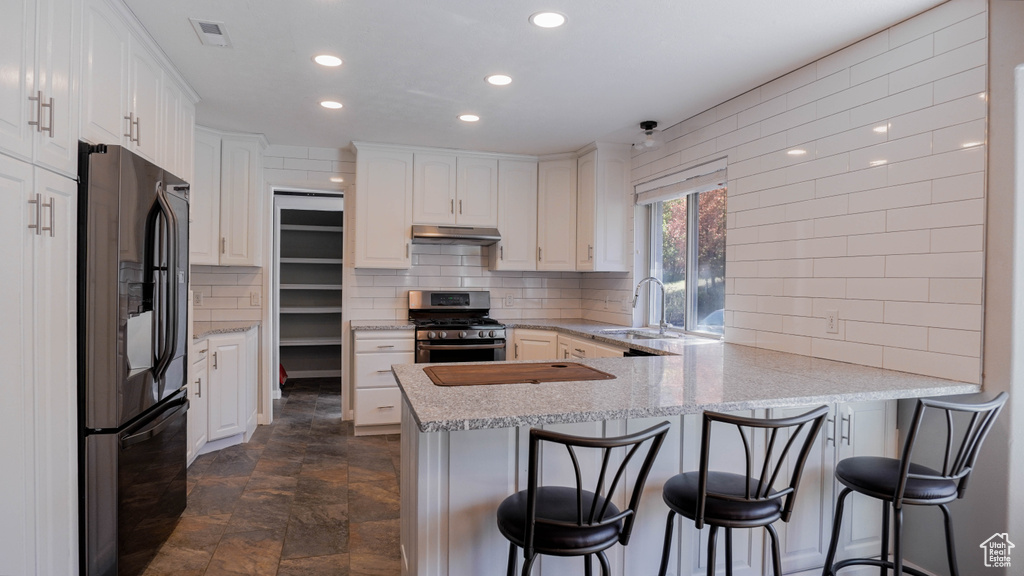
{"x": 463, "y": 334}
{"x": 482, "y": 334}
{"x": 444, "y": 335}
{"x": 491, "y": 333}
{"x": 431, "y": 335}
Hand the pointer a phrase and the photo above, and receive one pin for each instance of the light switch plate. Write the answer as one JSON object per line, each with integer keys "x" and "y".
{"x": 510, "y": 301}
{"x": 254, "y": 298}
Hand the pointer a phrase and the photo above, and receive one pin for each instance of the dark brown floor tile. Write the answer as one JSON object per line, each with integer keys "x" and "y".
{"x": 261, "y": 435}
{"x": 200, "y": 465}
{"x": 248, "y": 554}
{"x": 261, "y": 510}
{"x": 279, "y": 466}
{"x": 264, "y": 481}
{"x": 234, "y": 461}
{"x": 370, "y": 565}
{"x": 370, "y": 467}
{"x": 316, "y": 531}
{"x": 171, "y": 561}
{"x": 312, "y": 491}
{"x": 215, "y": 496}
{"x": 378, "y": 501}
{"x": 333, "y": 565}
{"x": 199, "y": 533}
{"x": 379, "y": 538}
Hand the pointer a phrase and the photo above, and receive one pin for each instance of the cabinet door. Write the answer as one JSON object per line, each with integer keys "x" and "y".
{"x": 17, "y": 59}
{"x": 586, "y": 203}
{"x": 563, "y": 348}
{"x": 612, "y": 210}
{"x": 803, "y": 540}
{"x": 204, "y": 201}
{"x": 863, "y": 429}
{"x": 556, "y": 215}
{"x": 227, "y": 396}
{"x": 57, "y": 78}
{"x": 105, "y": 45}
{"x": 170, "y": 127}
{"x": 383, "y": 209}
{"x": 433, "y": 189}
{"x": 240, "y": 202}
{"x": 145, "y": 77}
{"x": 17, "y": 514}
{"x": 198, "y": 410}
{"x": 536, "y": 345}
{"x": 186, "y": 140}
{"x": 477, "y": 192}
{"x": 251, "y": 381}
{"x": 517, "y": 217}
{"x": 606, "y": 351}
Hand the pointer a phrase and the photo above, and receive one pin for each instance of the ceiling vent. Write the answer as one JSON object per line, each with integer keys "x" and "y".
{"x": 211, "y": 33}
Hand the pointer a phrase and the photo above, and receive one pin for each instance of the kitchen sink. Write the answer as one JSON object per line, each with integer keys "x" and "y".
{"x": 636, "y": 334}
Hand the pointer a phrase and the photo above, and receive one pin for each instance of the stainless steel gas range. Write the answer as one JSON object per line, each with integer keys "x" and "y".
{"x": 454, "y": 326}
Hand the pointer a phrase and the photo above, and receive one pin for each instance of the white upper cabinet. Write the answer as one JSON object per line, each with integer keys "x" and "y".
{"x": 383, "y": 211}
{"x": 603, "y": 209}
{"x": 455, "y": 190}
{"x": 170, "y": 128}
{"x": 556, "y": 215}
{"x": 105, "y": 48}
{"x": 226, "y": 199}
{"x": 517, "y": 216}
{"x": 477, "y": 192}
{"x": 39, "y": 43}
{"x": 433, "y": 199}
{"x": 143, "y": 114}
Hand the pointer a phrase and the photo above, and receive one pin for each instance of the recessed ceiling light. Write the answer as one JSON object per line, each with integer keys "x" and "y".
{"x": 330, "y": 104}
{"x": 469, "y": 117}
{"x": 796, "y": 152}
{"x": 881, "y": 129}
{"x": 547, "y": 19}
{"x": 327, "y": 60}
{"x": 499, "y": 79}
{"x": 878, "y": 162}
{"x": 971, "y": 144}
{"x": 337, "y": 179}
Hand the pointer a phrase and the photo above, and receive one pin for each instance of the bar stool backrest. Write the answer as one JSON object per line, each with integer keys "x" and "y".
{"x": 603, "y": 491}
{"x": 768, "y": 466}
{"x": 961, "y": 450}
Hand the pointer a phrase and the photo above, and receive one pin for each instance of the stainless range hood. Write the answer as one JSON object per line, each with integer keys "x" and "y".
{"x": 455, "y": 235}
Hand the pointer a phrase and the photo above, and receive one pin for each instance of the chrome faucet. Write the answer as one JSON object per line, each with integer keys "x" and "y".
{"x": 636, "y": 297}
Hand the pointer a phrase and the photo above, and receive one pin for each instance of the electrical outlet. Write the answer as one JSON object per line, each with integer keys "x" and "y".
{"x": 254, "y": 298}
{"x": 197, "y": 298}
{"x": 627, "y": 304}
{"x": 510, "y": 301}
{"x": 832, "y": 321}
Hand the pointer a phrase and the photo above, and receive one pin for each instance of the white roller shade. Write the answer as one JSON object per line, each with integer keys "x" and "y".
{"x": 701, "y": 178}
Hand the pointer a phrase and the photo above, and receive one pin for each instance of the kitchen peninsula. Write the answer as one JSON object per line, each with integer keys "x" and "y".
{"x": 464, "y": 448}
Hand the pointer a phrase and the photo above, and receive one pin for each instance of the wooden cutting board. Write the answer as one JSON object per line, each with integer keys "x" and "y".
{"x": 483, "y": 374}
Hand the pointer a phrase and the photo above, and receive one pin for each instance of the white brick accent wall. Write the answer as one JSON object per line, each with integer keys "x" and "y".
{"x": 882, "y": 218}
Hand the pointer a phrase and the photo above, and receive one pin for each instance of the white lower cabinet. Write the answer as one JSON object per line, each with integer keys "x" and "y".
{"x": 534, "y": 345}
{"x": 223, "y": 391}
{"x": 38, "y": 412}
{"x": 569, "y": 347}
{"x": 378, "y": 399}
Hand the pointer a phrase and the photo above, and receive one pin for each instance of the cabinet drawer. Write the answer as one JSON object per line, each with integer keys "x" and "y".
{"x": 379, "y": 406}
{"x": 385, "y": 345}
{"x": 374, "y": 370}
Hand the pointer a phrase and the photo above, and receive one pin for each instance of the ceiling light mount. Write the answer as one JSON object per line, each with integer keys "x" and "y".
{"x": 651, "y": 138}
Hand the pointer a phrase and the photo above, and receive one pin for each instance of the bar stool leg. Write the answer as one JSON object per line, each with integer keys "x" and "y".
{"x": 897, "y": 545}
{"x": 588, "y": 568}
{"x": 836, "y": 527}
{"x": 528, "y": 564}
{"x": 885, "y": 538}
{"x": 606, "y": 568}
{"x": 776, "y": 556}
{"x": 712, "y": 548}
{"x": 954, "y": 570}
{"x": 728, "y": 551}
{"x": 667, "y": 549}
{"x": 511, "y": 559}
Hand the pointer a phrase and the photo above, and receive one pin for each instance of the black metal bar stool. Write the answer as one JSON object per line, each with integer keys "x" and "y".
{"x": 898, "y": 482}
{"x": 726, "y": 500}
{"x": 572, "y": 521}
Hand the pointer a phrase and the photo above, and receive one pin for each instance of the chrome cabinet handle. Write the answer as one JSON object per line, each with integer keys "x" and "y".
{"x": 539, "y": 254}
{"x": 199, "y": 388}
{"x": 131, "y": 125}
{"x": 387, "y": 346}
{"x": 383, "y": 371}
{"x": 50, "y": 206}
{"x": 39, "y": 206}
{"x": 578, "y": 350}
{"x": 38, "y": 122}
{"x": 501, "y": 251}
{"x": 223, "y": 245}
{"x": 590, "y": 251}
{"x": 516, "y": 355}
{"x": 50, "y": 127}
{"x": 214, "y": 360}
{"x": 407, "y": 249}
{"x": 388, "y": 407}
{"x": 453, "y": 205}
{"x": 138, "y": 131}
{"x": 830, "y": 431}
{"x": 460, "y": 206}
{"x": 845, "y": 436}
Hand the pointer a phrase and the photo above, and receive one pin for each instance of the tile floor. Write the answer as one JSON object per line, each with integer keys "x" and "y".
{"x": 303, "y": 497}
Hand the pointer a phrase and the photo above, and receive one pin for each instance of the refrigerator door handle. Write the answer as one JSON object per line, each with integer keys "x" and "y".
{"x": 169, "y": 315}
{"x": 155, "y": 428}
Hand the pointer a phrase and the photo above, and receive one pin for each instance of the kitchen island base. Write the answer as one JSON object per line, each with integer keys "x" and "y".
{"x": 453, "y": 481}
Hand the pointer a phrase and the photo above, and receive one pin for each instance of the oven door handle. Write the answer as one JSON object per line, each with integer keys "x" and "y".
{"x": 460, "y": 346}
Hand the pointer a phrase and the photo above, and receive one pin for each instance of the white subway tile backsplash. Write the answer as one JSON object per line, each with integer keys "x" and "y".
{"x": 885, "y": 243}
{"x": 882, "y": 289}
{"x": 850, "y": 267}
{"x": 853, "y": 97}
{"x": 962, "y": 239}
{"x": 786, "y": 120}
{"x": 939, "y": 116}
{"x": 955, "y": 290}
{"x": 935, "y": 166}
{"x": 893, "y": 59}
{"x": 784, "y": 194}
{"x": 785, "y": 306}
{"x": 959, "y": 136}
{"x": 895, "y": 335}
{"x": 814, "y": 287}
{"x": 852, "y": 352}
{"x": 789, "y": 82}
{"x": 969, "y": 83}
{"x": 801, "y": 268}
{"x": 818, "y": 89}
{"x": 891, "y": 106}
{"x": 850, "y": 309}
{"x": 854, "y": 54}
{"x": 818, "y": 208}
{"x": 766, "y": 109}
{"x": 956, "y": 342}
{"x": 955, "y": 265}
{"x": 936, "y": 19}
{"x": 916, "y": 194}
{"x": 934, "y": 315}
{"x": 962, "y": 368}
{"x": 891, "y": 151}
{"x": 948, "y": 214}
{"x": 941, "y": 66}
{"x": 963, "y": 187}
{"x": 843, "y": 184}
{"x": 859, "y": 137}
{"x": 850, "y": 225}
{"x": 784, "y": 343}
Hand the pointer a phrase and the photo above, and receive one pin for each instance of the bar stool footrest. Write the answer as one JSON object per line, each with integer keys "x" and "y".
{"x": 872, "y": 562}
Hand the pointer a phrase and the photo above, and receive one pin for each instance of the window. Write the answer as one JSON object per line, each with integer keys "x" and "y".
{"x": 688, "y": 256}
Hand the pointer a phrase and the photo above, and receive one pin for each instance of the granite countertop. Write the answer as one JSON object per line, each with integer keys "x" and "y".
{"x": 706, "y": 375}
{"x": 382, "y": 325}
{"x": 202, "y": 330}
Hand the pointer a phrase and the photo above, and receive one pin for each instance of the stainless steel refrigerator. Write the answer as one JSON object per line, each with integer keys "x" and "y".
{"x": 132, "y": 326}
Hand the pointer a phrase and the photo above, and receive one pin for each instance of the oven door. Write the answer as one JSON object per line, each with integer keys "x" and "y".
{"x": 460, "y": 351}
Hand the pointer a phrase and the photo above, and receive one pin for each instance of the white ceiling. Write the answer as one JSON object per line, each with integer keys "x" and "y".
{"x": 412, "y": 66}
